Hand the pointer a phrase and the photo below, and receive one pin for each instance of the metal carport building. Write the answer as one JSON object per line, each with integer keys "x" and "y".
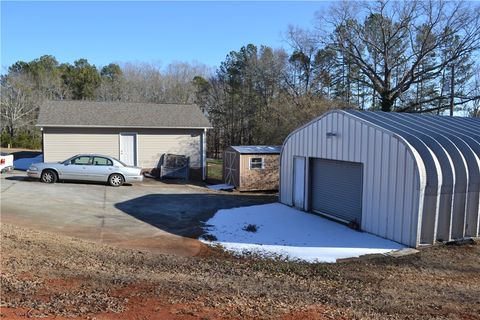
{"x": 411, "y": 178}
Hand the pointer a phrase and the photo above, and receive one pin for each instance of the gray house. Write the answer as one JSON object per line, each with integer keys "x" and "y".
{"x": 414, "y": 179}
{"x": 136, "y": 133}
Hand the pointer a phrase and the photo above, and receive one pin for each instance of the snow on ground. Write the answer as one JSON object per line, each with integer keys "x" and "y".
{"x": 293, "y": 234}
{"x": 24, "y": 163}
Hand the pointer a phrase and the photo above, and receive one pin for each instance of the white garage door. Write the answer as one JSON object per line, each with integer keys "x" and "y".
{"x": 336, "y": 189}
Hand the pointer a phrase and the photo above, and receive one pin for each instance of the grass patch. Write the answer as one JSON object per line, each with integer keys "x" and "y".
{"x": 209, "y": 237}
{"x": 214, "y": 170}
{"x": 251, "y": 228}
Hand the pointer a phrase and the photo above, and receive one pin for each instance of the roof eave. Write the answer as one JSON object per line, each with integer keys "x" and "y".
{"x": 247, "y": 153}
{"x": 133, "y": 127}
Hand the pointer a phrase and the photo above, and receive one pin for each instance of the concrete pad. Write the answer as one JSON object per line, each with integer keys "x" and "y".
{"x": 153, "y": 215}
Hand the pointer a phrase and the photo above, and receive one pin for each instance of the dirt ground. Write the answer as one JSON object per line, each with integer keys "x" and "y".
{"x": 58, "y": 277}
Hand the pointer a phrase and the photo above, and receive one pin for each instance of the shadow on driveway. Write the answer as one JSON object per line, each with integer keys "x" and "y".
{"x": 14, "y": 177}
{"x": 185, "y": 214}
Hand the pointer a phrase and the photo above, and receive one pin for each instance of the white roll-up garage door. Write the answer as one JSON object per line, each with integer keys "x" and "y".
{"x": 336, "y": 189}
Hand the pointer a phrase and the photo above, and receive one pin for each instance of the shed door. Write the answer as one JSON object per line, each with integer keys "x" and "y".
{"x": 336, "y": 189}
{"x": 128, "y": 148}
{"x": 231, "y": 168}
{"x": 299, "y": 182}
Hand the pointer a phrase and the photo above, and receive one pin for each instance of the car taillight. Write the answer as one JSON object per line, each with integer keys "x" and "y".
{"x": 2, "y": 161}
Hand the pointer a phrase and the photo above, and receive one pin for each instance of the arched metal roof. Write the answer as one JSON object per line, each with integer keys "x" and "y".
{"x": 450, "y": 150}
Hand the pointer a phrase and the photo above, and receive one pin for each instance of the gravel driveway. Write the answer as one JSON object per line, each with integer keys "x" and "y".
{"x": 162, "y": 217}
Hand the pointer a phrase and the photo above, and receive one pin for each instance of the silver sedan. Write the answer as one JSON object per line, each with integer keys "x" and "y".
{"x": 88, "y": 167}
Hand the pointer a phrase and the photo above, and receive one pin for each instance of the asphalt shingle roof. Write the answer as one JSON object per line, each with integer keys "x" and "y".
{"x": 120, "y": 114}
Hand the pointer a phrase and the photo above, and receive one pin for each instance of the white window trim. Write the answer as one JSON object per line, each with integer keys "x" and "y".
{"x": 250, "y": 163}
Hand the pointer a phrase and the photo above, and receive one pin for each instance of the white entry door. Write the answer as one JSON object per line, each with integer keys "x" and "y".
{"x": 128, "y": 148}
{"x": 299, "y": 182}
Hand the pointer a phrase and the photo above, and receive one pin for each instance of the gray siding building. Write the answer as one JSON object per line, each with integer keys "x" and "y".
{"x": 414, "y": 179}
{"x": 136, "y": 133}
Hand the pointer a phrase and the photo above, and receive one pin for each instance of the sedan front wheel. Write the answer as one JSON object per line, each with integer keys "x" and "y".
{"x": 48, "y": 176}
{"x": 116, "y": 180}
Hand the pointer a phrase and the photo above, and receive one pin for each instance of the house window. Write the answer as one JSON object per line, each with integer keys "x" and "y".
{"x": 256, "y": 163}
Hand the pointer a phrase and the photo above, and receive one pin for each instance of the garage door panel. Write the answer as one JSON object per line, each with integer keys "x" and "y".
{"x": 336, "y": 189}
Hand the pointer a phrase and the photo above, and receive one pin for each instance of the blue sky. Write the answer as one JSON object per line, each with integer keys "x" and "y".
{"x": 155, "y": 32}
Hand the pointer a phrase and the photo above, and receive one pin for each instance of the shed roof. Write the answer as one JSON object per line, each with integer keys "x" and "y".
{"x": 76, "y": 113}
{"x": 257, "y": 149}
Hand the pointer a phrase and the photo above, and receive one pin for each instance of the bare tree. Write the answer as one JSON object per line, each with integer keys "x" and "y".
{"x": 305, "y": 45}
{"x": 388, "y": 41}
{"x": 474, "y": 110}
{"x": 19, "y": 103}
{"x": 146, "y": 82}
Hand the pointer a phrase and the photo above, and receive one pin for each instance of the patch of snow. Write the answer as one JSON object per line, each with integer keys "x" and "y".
{"x": 293, "y": 234}
{"x": 219, "y": 187}
{"x": 25, "y": 163}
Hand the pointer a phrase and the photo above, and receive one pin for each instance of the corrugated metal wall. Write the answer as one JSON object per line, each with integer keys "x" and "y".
{"x": 451, "y": 206}
{"x": 421, "y": 173}
{"x": 392, "y": 201}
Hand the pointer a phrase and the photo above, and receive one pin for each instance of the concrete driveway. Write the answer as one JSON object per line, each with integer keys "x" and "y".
{"x": 152, "y": 215}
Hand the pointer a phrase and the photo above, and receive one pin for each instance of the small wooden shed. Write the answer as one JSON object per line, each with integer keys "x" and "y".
{"x": 252, "y": 168}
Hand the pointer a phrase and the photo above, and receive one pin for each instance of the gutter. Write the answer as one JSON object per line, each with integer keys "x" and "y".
{"x": 101, "y": 126}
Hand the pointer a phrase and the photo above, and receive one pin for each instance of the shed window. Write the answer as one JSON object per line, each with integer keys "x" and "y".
{"x": 256, "y": 163}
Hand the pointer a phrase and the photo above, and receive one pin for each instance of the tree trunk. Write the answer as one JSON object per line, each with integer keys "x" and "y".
{"x": 387, "y": 103}
{"x": 11, "y": 131}
{"x": 452, "y": 91}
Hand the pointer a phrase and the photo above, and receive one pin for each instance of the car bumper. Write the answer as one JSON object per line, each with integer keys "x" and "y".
{"x": 133, "y": 179}
{"x": 33, "y": 174}
{"x": 7, "y": 169}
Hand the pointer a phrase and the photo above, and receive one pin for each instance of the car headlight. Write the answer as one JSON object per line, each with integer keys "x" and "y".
{"x": 32, "y": 168}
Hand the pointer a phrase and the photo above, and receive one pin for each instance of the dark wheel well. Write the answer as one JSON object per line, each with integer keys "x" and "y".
{"x": 53, "y": 170}
{"x": 118, "y": 181}
{"x": 123, "y": 177}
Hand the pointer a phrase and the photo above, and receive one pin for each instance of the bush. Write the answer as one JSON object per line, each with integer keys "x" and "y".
{"x": 251, "y": 228}
{"x": 26, "y": 139}
{"x": 5, "y": 139}
{"x": 209, "y": 237}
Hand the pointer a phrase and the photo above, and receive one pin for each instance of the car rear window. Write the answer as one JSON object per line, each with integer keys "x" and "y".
{"x": 123, "y": 164}
{"x": 100, "y": 161}
{"x": 84, "y": 160}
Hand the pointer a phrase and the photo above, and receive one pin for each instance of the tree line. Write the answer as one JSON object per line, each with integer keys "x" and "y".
{"x": 412, "y": 56}
{"x": 28, "y": 84}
